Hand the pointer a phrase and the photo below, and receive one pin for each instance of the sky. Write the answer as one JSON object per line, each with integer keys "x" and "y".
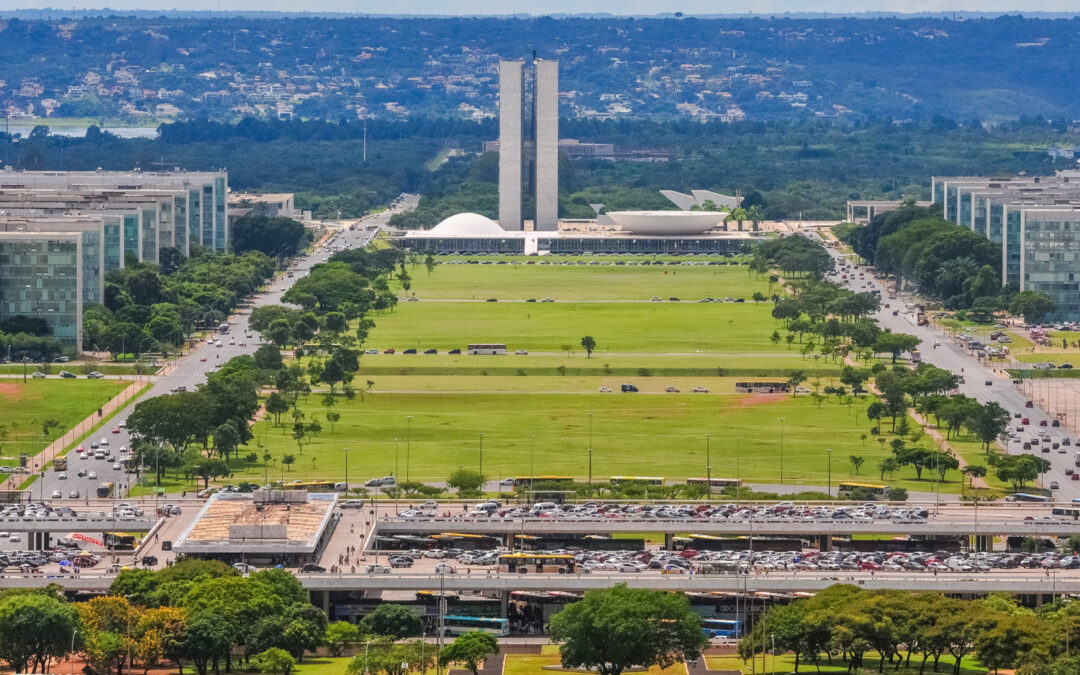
{"x": 622, "y": 7}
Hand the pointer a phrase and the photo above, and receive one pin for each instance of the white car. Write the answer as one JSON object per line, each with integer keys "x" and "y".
{"x": 443, "y": 568}
{"x": 62, "y": 475}
{"x": 605, "y": 390}
{"x": 92, "y": 475}
{"x": 700, "y": 390}
{"x": 377, "y": 569}
{"x": 104, "y": 442}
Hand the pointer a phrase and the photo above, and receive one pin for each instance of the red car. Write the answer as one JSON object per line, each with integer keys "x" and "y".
{"x": 389, "y": 351}
{"x": 116, "y": 430}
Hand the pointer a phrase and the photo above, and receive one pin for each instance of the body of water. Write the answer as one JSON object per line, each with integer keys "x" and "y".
{"x": 79, "y": 131}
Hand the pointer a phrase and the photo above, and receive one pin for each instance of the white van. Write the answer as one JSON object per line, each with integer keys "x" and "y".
{"x": 543, "y": 507}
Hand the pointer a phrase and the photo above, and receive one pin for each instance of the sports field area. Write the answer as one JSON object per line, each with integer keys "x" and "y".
{"x": 26, "y": 408}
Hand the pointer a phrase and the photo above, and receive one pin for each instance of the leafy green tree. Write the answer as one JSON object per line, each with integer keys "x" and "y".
{"x": 268, "y": 357}
{"x": 470, "y": 650}
{"x": 887, "y": 466}
{"x": 35, "y": 630}
{"x": 276, "y": 662}
{"x": 207, "y": 639}
{"x": 392, "y": 620}
{"x": 616, "y": 628}
{"x": 973, "y": 471}
{"x": 466, "y": 480}
{"x": 857, "y": 462}
{"x": 588, "y": 343}
{"x": 341, "y": 634}
{"x": 895, "y": 344}
{"x": 1032, "y": 305}
{"x": 276, "y": 405}
{"x": 991, "y": 423}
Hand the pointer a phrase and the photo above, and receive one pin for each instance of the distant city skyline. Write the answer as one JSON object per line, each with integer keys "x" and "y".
{"x": 501, "y": 7}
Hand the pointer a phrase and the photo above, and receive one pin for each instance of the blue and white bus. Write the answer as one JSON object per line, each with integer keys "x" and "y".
{"x": 722, "y": 628}
{"x": 456, "y": 625}
{"x": 1025, "y": 497}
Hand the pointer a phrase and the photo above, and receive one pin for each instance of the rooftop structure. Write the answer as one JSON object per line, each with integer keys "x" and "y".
{"x": 278, "y": 526}
{"x": 666, "y": 222}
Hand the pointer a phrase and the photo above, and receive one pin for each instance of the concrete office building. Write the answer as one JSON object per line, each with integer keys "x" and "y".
{"x": 546, "y": 139}
{"x": 50, "y": 269}
{"x": 61, "y": 233}
{"x": 207, "y": 209}
{"x": 511, "y": 143}
{"x": 540, "y": 153}
{"x": 1036, "y": 219}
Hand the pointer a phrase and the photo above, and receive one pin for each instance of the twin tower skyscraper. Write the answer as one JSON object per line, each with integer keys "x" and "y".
{"x": 529, "y": 161}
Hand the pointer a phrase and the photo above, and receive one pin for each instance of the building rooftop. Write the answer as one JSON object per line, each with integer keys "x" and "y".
{"x": 233, "y": 522}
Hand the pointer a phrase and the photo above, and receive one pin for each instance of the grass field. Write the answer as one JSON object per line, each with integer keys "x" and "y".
{"x": 629, "y": 328}
{"x": 77, "y": 368}
{"x": 576, "y": 364}
{"x": 631, "y": 434}
{"x": 27, "y": 406}
{"x": 785, "y": 663}
{"x": 585, "y": 282}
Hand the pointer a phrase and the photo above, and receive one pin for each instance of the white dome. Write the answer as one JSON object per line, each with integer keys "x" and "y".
{"x": 468, "y": 225}
{"x": 667, "y": 222}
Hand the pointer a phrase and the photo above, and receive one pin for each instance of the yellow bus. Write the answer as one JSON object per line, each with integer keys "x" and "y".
{"x": 549, "y": 563}
{"x": 526, "y": 481}
{"x": 105, "y": 490}
{"x": 121, "y": 541}
{"x": 640, "y": 480}
{"x": 311, "y": 485}
{"x": 877, "y": 489}
{"x": 720, "y": 483}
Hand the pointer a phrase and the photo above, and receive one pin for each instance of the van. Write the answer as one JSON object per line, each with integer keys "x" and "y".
{"x": 543, "y": 507}
{"x": 629, "y": 388}
{"x": 340, "y": 487}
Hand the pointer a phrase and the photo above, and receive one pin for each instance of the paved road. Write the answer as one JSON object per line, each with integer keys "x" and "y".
{"x": 190, "y": 371}
{"x": 981, "y": 382}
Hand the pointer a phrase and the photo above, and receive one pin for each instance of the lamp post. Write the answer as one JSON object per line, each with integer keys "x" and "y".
{"x": 346, "y": 471}
{"x": 408, "y": 444}
{"x": 481, "y": 453}
{"x": 590, "y": 466}
{"x": 590, "y": 428}
{"x": 782, "y": 450}
{"x": 73, "y": 634}
{"x": 397, "y": 446}
{"x": 708, "y": 468}
{"x": 829, "y": 451}
{"x": 532, "y": 460}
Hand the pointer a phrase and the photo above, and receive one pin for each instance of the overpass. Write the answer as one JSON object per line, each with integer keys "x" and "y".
{"x": 1023, "y": 582}
{"x": 960, "y": 524}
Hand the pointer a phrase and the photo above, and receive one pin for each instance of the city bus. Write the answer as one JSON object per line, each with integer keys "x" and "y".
{"x": 526, "y": 481}
{"x": 1025, "y": 497}
{"x": 537, "y": 562}
{"x": 1073, "y": 513}
{"x": 60, "y": 464}
{"x": 130, "y": 464}
{"x": 877, "y": 489}
{"x": 722, "y": 628}
{"x": 105, "y": 490}
{"x": 120, "y": 541}
{"x": 311, "y": 485}
{"x": 640, "y": 480}
{"x": 762, "y": 387}
{"x": 456, "y": 625}
{"x": 715, "y": 483}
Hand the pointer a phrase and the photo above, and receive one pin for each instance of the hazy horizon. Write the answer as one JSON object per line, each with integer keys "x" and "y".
{"x": 501, "y": 7}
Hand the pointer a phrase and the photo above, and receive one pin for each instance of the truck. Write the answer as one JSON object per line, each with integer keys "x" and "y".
{"x": 1076, "y": 458}
{"x": 627, "y": 388}
{"x": 60, "y": 464}
{"x": 916, "y": 356}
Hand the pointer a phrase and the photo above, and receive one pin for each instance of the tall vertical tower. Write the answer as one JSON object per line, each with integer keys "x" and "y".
{"x": 511, "y": 143}
{"x": 546, "y": 138}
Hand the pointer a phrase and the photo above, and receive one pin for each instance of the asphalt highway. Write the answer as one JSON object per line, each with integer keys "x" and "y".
{"x": 982, "y": 383}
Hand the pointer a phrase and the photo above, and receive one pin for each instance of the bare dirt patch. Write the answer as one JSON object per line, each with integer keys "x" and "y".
{"x": 751, "y": 400}
{"x": 10, "y": 391}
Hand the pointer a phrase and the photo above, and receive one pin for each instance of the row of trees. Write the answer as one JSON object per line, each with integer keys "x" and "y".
{"x": 847, "y": 623}
{"x": 944, "y": 260}
{"x": 148, "y": 307}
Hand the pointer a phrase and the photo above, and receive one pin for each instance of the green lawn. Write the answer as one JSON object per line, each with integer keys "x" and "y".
{"x": 530, "y": 664}
{"x": 584, "y": 282}
{"x": 785, "y": 663}
{"x": 632, "y": 434}
{"x": 629, "y": 328}
{"x": 79, "y": 369}
{"x": 27, "y": 406}
{"x": 576, "y": 363}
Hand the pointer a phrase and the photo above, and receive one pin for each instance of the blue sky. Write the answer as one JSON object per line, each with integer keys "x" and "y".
{"x": 559, "y": 6}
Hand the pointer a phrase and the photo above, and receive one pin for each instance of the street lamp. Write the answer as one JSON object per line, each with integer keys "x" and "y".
{"x": 481, "y": 453}
{"x": 708, "y": 468}
{"x": 346, "y": 471}
{"x": 782, "y": 450}
{"x": 829, "y": 451}
{"x": 590, "y": 466}
{"x": 408, "y": 444}
{"x": 590, "y": 428}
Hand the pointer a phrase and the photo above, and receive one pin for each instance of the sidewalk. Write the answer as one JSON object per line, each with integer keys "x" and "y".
{"x": 57, "y": 447}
